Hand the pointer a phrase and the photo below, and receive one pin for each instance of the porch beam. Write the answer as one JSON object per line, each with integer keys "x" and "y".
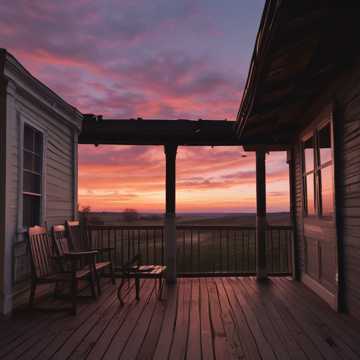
{"x": 261, "y": 271}
{"x": 170, "y": 214}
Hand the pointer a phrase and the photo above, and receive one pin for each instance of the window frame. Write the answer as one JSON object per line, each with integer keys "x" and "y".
{"x": 305, "y": 173}
{"x": 27, "y": 120}
{"x": 318, "y": 167}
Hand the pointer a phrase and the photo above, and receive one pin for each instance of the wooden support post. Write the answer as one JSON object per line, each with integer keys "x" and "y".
{"x": 170, "y": 215}
{"x": 292, "y": 179}
{"x": 261, "y": 271}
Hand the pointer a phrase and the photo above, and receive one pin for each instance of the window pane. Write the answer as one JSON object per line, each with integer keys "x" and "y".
{"x": 32, "y": 183}
{"x": 38, "y": 143}
{"x": 309, "y": 154}
{"x": 31, "y": 210}
{"x": 325, "y": 144}
{"x": 310, "y": 194}
{"x": 28, "y": 138}
{"x": 28, "y": 160}
{"x": 327, "y": 191}
{"x": 37, "y": 164}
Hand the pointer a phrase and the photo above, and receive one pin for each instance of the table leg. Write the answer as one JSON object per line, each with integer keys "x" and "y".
{"x": 160, "y": 286}
{"x": 119, "y": 291}
{"x": 137, "y": 287}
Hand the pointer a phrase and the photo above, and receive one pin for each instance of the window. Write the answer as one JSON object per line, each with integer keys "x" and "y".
{"x": 325, "y": 170}
{"x": 32, "y": 176}
{"x": 309, "y": 175}
{"x": 318, "y": 173}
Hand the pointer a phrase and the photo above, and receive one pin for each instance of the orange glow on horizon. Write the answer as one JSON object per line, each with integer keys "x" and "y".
{"x": 113, "y": 178}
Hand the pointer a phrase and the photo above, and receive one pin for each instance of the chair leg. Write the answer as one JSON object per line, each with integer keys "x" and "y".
{"x": 112, "y": 274}
{"x": 160, "y": 287}
{"x": 119, "y": 291}
{"x": 92, "y": 280}
{"x": 32, "y": 293}
{"x": 137, "y": 287}
{"x": 97, "y": 279}
{"x": 74, "y": 290}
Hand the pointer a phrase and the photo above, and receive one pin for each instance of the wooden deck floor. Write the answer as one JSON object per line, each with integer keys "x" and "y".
{"x": 222, "y": 318}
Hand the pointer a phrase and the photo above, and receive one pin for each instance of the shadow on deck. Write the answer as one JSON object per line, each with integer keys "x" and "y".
{"x": 222, "y": 318}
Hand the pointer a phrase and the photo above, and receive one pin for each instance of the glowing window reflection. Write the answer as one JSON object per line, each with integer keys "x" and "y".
{"x": 310, "y": 194}
{"x": 309, "y": 154}
{"x": 327, "y": 191}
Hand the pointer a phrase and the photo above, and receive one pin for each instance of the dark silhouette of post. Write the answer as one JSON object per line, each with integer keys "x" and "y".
{"x": 170, "y": 215}
{"x": 261, "y": 271}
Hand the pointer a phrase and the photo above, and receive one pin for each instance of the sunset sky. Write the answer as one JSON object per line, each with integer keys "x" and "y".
{"x": 151, "y": 59}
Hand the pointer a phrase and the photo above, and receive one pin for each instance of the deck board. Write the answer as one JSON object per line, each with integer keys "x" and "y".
{"x": 208, "y": 318}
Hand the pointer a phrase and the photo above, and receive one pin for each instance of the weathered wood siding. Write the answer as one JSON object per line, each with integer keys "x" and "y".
{"x": 344, "y": 94}
{"x": 348, "y": 130}
{"x": 299, "y": 243}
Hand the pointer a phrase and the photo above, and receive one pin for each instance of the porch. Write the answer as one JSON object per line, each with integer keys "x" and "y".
{"x": 213, "y": 317}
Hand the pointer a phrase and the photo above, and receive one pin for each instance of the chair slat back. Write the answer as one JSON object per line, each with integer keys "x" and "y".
{"x": 61, "y": 239}
{"x": 41, "y": 251}
{"x": 77, "y": 239}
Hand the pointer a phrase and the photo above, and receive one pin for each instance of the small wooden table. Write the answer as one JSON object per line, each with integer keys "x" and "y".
{"x": 142, "y": 272}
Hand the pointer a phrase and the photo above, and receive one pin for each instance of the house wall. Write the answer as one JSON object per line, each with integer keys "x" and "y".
{"x": 23, "y": 99}
{"x": 59, "y": 169}
{"x": 344, "y": 95}
{"x": 2, "y": 181}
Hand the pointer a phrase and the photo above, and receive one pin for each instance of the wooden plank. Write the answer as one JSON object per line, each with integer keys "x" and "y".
{"x": 251, "y": 350}
{"x": 135, "y": 340}
{"x": 52, "y": 338}
{"x": 151, "y": 338}
{"x": 222, "y": 347}
{"x": 207, "y": 344}
{"x": 194, "y": 343}
{"x": 229, "y": 323}
{"x": 167, "y": 331}
{"x": 88, "y": 342}
{"x": 265, "y": 321}
{"x": 343, "y": 327}
{"x": 265, "y": 349}
{"x": 262, "y": 293}
{"x": 34, "y": 340}
{"x": 122, "y": 333}
{"x": 300, "y": 336}
{"x": 311, "y": 324}
{"x": 121, "y": 316}
{"x": 178, "y": 348}
{"x": 77, "y": 336}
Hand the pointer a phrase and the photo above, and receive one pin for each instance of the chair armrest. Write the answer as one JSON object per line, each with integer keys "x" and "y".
{"x": 81, "y": 253}
{"x": 104, "y": 249}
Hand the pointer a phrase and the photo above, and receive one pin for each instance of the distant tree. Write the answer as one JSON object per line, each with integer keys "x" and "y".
{"x": 84, "y": 212}
{"x": 85, "y": 215}
{"x": 130, "y": 215}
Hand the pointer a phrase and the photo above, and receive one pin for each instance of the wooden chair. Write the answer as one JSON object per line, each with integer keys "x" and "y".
{"x": 48, "y": 268}
{"x": 78, "y": 238}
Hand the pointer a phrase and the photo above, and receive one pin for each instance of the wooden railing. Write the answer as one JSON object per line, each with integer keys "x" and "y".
{"x": 201, "y": 250}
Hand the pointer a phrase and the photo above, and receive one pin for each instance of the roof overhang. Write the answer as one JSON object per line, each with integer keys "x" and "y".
{"x": 28, "y": 87}
{"x": 301, "y": 47}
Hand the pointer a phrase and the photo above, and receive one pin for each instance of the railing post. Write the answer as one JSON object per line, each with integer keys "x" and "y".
{"x": 170, "y": 215}
{"x": 261, "y": 270}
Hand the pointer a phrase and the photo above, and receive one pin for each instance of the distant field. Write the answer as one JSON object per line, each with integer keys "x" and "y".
{"x": 236, "y": 219}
